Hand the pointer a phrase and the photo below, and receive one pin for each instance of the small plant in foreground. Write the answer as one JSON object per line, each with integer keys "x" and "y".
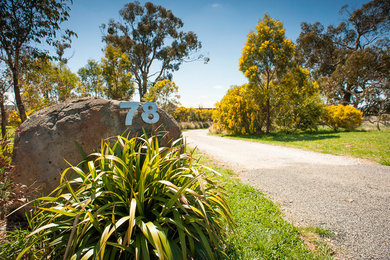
{"x": 133, "y": 200}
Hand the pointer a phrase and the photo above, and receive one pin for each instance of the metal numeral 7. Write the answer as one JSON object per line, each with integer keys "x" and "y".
{"x": 133, "y": 107}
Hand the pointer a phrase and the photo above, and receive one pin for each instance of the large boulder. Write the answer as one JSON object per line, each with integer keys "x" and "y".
{"x": 52, "y": 135}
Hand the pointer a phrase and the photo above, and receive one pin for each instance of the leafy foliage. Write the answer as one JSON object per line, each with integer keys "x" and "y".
{"x": 241, "y": 110}
{"x": 265, "y": 56}
{"x": 351, "y": 59}
{"x": 91, "y": 79}
{"x": 115, "y": 68}
{"x": 151, "y": 34}
{"x": 14, "y": 119}
{"x": 341, "y": 116}
{"x": 23, "y": 25}
{"x": 161, "y": 93}
{"x": 45, "y": 82}
{"x": 183, "y": 114}
{"x": 133, "y": 200}
{"x": 297, "y": 101}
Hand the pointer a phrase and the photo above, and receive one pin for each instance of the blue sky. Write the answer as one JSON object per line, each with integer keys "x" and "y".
{"x": 221, "y": 26}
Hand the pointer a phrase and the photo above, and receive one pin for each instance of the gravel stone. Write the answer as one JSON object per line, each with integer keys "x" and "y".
{"x": 350, "y": 197}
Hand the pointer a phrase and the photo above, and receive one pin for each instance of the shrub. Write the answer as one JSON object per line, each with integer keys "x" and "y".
{"x": 14, "y": 118}
{"x": 341, "y": 116}
{"x": 298, "y": 104}
{"x": 133, "y": 200}
{"x": 240, "y": 110}
{"x": 183, "y": 114}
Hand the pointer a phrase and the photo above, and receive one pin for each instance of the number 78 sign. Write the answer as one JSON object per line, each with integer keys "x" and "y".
{"x": 149, "y": 114}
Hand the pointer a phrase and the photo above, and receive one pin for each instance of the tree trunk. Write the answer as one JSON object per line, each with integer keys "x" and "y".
{"x": 140, "y": 92}
{"x": 378, "y": 122}
{"x": 347, "y": 96}
{"x": 268, "y": 107}
{"x": 144, "y": 86}
{"x": 3, "y": 117}
{"x": 268, "y": 120}
{"x": 18, "y": 98}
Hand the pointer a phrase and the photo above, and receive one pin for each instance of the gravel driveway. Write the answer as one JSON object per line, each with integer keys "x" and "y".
{"x": 348, "y": 196}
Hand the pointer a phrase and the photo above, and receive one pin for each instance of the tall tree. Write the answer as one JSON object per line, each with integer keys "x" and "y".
{"x": 91, "y": 79}
{"x": 4, "y": 87}
{"x": 115, "y": 69}
{"x": 350, "y": 58}
{"x": 24, "y": 23}
{"x": 151, "y": 35}
{"x": 45, "y": 82}
{"x": 266, "y": 55}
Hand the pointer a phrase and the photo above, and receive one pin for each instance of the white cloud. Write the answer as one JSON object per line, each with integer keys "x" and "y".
{"x": 218, "y": 87}
{"x": 216, "y": 5}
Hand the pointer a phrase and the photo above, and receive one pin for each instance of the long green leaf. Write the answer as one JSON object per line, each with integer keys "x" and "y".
{"x": 106, "y": 234}
{"x": 42, "y": 228}
{"x": 62, "y": 212}
{"x": 182, "y": 237}
{"x": 156, "y": 239}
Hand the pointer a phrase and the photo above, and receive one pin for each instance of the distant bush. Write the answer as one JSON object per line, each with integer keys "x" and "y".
{"x": 341, "y": 116}
{"x": 133, "y": 200}
{"x": 239, "y": 111}
{"x": 183, "y": 114}
{"x": 194, "y": 125}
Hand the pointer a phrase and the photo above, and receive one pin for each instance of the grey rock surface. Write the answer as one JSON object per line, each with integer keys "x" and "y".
{"x": 48, "y": 138}
{"x": 350, "y": 197}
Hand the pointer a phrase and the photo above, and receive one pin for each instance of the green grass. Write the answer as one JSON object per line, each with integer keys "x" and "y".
{"x": 261, "y": 231}
{"x": 372, "y": 145}
{"x": 322, "y": 232}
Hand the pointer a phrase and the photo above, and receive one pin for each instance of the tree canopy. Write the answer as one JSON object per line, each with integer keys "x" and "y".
{"x": 24, "y": 23}
{"x": 115, "y": 69}
{"x": 266, "y": 54}
{"x": 164, "y": 93}
{"x": 151, "y": 36}
{"x": 91, "y": 79}
{"x": 351, "y": 60}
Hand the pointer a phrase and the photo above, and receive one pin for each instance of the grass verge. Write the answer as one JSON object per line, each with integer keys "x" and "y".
{"x": 372, "y": 145}
{"x": 261, "y": 232}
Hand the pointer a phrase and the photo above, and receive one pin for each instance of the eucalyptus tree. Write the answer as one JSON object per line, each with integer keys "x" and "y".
{"x": 115, "y": 71}
{"x": 4, "y": 88}
{"x": 91, "y": 79}
{"x": 23, "y": 25}
{"x": 350, "y": 60}
{"x": 152, "y": 37}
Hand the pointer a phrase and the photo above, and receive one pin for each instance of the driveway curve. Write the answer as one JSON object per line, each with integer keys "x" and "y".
{"x": 350, "y": 197}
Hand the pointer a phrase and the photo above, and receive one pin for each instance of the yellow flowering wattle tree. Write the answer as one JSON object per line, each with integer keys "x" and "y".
{"x": 240, "y": 110}
{"x": 297, "y": 103}
{"x": 266, "y": 55}
{"x": 164, "y": 93}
